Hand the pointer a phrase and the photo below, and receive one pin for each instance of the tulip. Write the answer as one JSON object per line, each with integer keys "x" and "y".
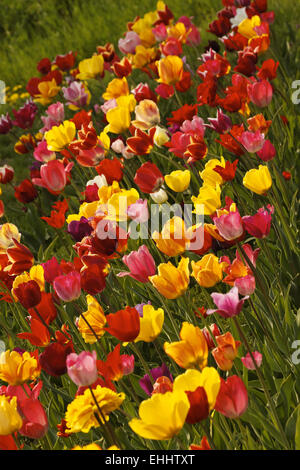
{"x": 162, "y": 416}
{"x": 140, "y": 263}
{"x": 221, "y": 124}
{"x": 25, "y": 192}
{"x": 261, "y": 93}
{"x": 146, "y": 114}
{"x": 16, "y": 368}
{"x": 116, "y": 88}
{"x": 95, "y": 319}
{"x": 259, "y": 224}
{"x": 160, "y": 196}
{"x": 202, "y": 389}
{"x": 208, "y": 197}
{"x": 232, "y": 400}
{"x": 226, "y": 351}
{"x": 90, "y": 68}
{"x": 124, "y": 324}
{"x": 268, "y": 151}
{"x": 151, "y": 324}
{"x": 25, "y": 116}
{"x": 246, "y": 285}
{"x": 160, "y": 137}
{"x": 58, "y": 137}
{"x": 5, "y": 124}
{"x": 129, "y": 43}
{"x": 258, "y": 180}
{"x": 156, "y": 373}
{"x": 208, "y": 271}
{"x": 68, "y": 287}
{"x": 230, "y": 226}
{"x": 253, "y": 142}
{"x": 170, "y": 281}
{"x": 248, "y": 361}
{"x": 162, "y": 385}
{"x": 127, "y": 362}
{"x": 178, "y": 180}
{"x": 10, "y": 420}
{"x": 170, "y": 70}
{"x": 53, "y": 176}
{"x": 172, "y": 240}
{"x": 212, "y": 330}
{"x": 82, "y": 368}
{"x": 53, "y": 358}
{"x": 28, "y": 294}
{"x": 191, "y": 351}
{"x": 229, "y": 305}
{"x": 6, "y": 174}
{"x": 139, "y": 211}
{"x": 42, "y": 153}
{"x": 76, "y": 95}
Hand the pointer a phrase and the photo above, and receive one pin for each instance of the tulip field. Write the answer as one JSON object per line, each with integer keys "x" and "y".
{"x": 149, "y": 256}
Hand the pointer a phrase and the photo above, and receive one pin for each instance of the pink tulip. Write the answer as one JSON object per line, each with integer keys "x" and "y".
{"x": 252, "y": 141}
{"x": 260, "y": 93}
{"x": 55, "y": 116}
{"x": 129, "y": 43}
{"x": 232, "y": 399}
{"x": 75, "y": 94}
{"x": 248, "y": 362}
{"x": 252, "y": 255}
{"x": 140, "y": 263}
{"x": 230, "y": 226}
{"x": 160, "y": 32}
{"x": 68, "y": 287}
{"x": 245, "y": 285}
{"x": 82, "y": 368}
{"x": 268, "y": 152}
{"x": 195, "y": 126}
{"x": 229, "y": 305}
{"x": 53, "y": 176}
{"x": 139, "y": 211}
{"x": 127, "y": 363}
{"x": 42, "y": 154}
{"x": 259, "y": 224}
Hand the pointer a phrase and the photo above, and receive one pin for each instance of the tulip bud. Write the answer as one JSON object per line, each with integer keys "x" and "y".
{"x": 68, "y": 287}
{"x": 159, "y": 196}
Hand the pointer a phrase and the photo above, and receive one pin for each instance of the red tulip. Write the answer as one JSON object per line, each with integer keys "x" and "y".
{"x": 28, "y": 294}
{"x": 124, "y": 324}
{"x": 232, "y": 400}
{"x": 25, "y": 192}
{"x": 261, "y": 93}
{"x": 148, "y": 178}
{"x": 53, "y": 358}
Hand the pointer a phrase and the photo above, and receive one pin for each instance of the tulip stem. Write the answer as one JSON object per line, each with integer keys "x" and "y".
{"x": 262, "y": 381}
{"x": 103, "y": 421}
{"x": 143, "y": 362}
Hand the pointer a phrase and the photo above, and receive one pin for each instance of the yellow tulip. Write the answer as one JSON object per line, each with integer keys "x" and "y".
{"x": 118, "y": 120}
{"x": 207, "y": 271}
{"x": 7, "y": 233}
{"x": 172, "y": 282}
{"x": 151, "y": 324}
{"x": 246, "y": 27}
{"x": 119, "y": 202}
{"x": 116, "y": 87}
{"x": 192, "y": 351}
{"x": 90, "y": 68}
{"x": 59, "y": 137}
{"x": 160, "y": 136}
{"x": 208, "y": 200}
{"x": 143, "y": 56}
{"x": 211, "y": 177}
{"x": 80, "y": 414}
{"x": 172, "y": 240}
{"x": 10, "y": 420}
{"x": 16, "y": 368}
{"x": 208, "y": 378}
{"x": 178, "y": 180}
{"x": 146, "y": 114}
{"x": 94, "y": 317}
{"x": 47, "y": 91}
{"x": 162, "y": 416}
{"x": 170, "y": 69}
{"x": 259, "y": 180}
